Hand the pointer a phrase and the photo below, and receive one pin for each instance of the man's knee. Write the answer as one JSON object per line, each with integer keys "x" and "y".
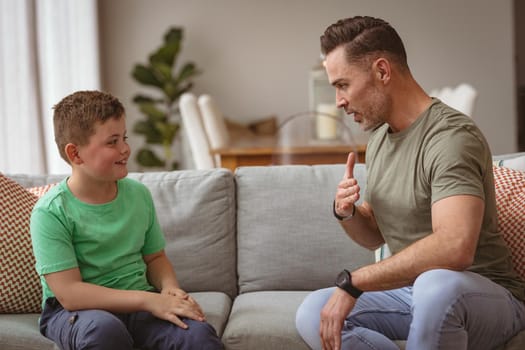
{"x": 440, "y": 284}
{"x": 437, "y": 291}
{"x": 308, "y": 316}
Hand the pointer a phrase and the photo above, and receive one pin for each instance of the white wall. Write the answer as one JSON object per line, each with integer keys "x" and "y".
{"x": 256, "y": 55}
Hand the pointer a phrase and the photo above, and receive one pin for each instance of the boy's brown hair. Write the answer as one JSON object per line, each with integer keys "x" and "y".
{"x": 75, "y": 116}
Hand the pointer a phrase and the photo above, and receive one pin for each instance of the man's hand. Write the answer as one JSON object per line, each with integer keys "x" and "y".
{"x": 347, "y": 190}
{"x": 333, "y": 315}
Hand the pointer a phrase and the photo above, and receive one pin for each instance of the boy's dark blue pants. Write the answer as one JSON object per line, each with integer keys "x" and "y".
{"x": 98, "y": 329}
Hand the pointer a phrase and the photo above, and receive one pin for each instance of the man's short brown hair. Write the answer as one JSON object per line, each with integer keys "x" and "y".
{"x": 75, "y": 116}
{"x": 363, "y": 38}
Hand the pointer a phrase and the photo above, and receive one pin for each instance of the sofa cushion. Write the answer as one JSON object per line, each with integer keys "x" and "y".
{"x": 287, "y": 236}
{"x": 510, "y": 201}
{"x": 21, "y": 332}
{"x": 196, "y": 210}
{"x": 264, "y": 321}
{"x": 216, "y": 307}
{"x": 20, "y": 289}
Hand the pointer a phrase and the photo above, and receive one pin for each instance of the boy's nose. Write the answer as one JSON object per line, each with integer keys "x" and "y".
{"x": 125, "y": 149}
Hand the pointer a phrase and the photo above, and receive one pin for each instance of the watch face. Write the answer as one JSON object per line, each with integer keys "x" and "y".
{"x": 342, "y": 278}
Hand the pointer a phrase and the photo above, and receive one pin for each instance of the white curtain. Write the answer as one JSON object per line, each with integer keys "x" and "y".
{"x": 48, "y": 49}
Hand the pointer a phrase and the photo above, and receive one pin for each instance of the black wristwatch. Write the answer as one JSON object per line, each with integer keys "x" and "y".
{"x": 343, "y": 218}
{"x": 344, "y": 281}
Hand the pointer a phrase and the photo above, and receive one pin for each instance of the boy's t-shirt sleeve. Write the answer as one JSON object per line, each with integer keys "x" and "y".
{"x": 52, "y": 243}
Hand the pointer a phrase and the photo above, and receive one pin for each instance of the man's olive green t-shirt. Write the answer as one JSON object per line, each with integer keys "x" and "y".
{"x": 106, "y": 242}
{"x": 442, "y": 154}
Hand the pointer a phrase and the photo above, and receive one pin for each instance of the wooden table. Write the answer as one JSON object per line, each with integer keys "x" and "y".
{"x": 267, "y": 151}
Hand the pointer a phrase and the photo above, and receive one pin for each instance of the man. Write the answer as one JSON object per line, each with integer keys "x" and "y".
{"x": 430, "y": 196}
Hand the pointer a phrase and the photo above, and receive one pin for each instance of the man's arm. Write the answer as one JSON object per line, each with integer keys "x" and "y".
{"x": 456, "y": 225}
{"x": 362, "y": 226}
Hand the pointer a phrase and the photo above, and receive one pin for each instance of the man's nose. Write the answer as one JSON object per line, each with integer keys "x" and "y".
{"x": 340, "y": 102}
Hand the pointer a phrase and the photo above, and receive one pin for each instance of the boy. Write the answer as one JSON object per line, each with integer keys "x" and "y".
{"x": 99, "y": 248}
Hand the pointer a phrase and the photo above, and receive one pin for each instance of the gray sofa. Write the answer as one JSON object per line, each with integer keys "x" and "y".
{"x": 249, "y": 246}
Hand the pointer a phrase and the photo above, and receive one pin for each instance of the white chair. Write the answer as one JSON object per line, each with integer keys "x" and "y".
{"x": 214, "y": 124}
{"x": 462, "y": 97}
{"x": 196, "y": 135}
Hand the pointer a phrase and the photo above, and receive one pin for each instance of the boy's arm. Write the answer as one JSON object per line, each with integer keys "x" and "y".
{"x": 74, "y": 294}
{"x": 160, "y": 272}
{"x": 162, "y": 276}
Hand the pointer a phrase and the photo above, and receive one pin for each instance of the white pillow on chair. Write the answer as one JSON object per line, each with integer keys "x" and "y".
{"x": 213, "y": 121}
{"x": 197, "y": 139}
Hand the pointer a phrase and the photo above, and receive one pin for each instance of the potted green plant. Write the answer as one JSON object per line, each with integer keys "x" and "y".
{"x": 161, "y": 122}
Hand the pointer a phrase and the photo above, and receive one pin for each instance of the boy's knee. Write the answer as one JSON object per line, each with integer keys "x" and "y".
{"x": 102, "y": 330}
{"x": 202, "y": 335}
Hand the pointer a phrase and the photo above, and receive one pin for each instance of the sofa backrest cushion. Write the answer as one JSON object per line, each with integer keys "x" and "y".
{"x": 287, "y": 237}
{"x": 196, "y": 210}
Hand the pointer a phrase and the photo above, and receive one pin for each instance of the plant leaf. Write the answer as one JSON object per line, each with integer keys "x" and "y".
{"x": 180, "y": 90}
{"x": 168, "y": 131}
{"x": 148, "y": 158}
{"x": 187, "y": 71}
{"x": 166, "y": 54}
{"x": 170, "y": 90}
{"x": 146, "y": 76}
{"x": 143, "y": 98}
{"x": 152, "y": 112}
{"x": 169, "y": 51}
{"x": 162, "y": 71}
{"x": 149, "y": 130}
{"x": 174, "y": 35}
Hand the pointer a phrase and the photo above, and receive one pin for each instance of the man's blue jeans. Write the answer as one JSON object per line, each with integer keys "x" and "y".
{"x": 443, "y": 310}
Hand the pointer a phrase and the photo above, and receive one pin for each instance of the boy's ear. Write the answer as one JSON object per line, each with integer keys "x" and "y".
{"x": 72, "y": 153}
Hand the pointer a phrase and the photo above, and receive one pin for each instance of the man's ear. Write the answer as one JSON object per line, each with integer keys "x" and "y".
{"x": 72, "y": 153}
{"x": 382, "y": 69}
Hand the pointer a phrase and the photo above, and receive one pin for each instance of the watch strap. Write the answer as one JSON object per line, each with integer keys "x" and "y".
{"x": 343, "y": 218}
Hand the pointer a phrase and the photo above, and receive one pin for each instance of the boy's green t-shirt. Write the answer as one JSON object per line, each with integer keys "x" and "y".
{"x": 106, "y": 241}
{"x": 441, "y": 154}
